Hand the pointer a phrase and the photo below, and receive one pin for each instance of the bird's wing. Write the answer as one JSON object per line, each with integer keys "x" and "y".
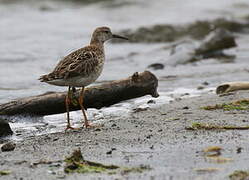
{"x": 79, "y": 63}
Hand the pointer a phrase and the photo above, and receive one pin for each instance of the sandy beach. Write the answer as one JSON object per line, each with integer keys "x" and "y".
{"x": 188, "y": 133}
{"x": 155, "y": 138}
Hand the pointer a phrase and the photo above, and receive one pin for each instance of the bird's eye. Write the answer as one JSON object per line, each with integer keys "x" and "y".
{"x": 106, "y": 32}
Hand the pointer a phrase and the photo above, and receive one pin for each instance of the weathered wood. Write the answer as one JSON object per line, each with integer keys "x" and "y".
{"x": 139, "y": 84}
{"x": 232, "y": 86}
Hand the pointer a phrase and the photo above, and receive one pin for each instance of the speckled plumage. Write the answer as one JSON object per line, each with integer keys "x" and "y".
{"x": 81, "y": 68}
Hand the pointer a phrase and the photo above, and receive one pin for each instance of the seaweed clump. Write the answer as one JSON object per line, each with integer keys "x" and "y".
{"x": 76, "y": 163}
{"x": 210, "y": 126}
{"x": 239, "y": 175}
{"x": 4, "y": 172}
{"x": 237, "y": 105}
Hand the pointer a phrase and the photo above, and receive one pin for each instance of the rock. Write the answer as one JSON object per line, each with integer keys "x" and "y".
{"x": 114, "y": 125}
{"x": 200, "y": 87}
{"x": 185, "y": 107}
{"x": 205, "y": 83}
{"x": 151, "y": 101}
{"x": 110, "y": 152}
{"x": 140, "y": 109}
{"x": 211, "y": 47}
{"x": 156, "y": 66}
{"x": 238, "y": 150}
{"x": 10, "y": 146}
{"x": 5, "y": 129}
{"x": 169, "y": 33}
{"x": 216, "y": 40}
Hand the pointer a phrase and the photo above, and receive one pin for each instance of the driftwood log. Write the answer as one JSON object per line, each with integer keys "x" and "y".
{"x": 232, "y": 86}
{"x": 139, "y": 84}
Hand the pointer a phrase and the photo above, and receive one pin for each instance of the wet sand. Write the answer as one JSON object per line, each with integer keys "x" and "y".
{"x": 154, "y": 137}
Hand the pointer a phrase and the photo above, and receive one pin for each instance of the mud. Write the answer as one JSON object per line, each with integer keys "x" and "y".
{"x": 156, "y": 138}
{"x": 135, "y": 134}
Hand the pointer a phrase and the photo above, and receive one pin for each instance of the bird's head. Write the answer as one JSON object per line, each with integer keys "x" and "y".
{"x": 102, "y": 34}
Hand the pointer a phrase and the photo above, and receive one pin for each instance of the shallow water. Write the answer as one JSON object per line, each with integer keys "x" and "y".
{"x": 34, "y": 35}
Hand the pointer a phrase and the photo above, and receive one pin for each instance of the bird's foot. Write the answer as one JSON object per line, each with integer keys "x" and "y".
{"x": 88, "y": 125}
{"x": 71, "y": 128}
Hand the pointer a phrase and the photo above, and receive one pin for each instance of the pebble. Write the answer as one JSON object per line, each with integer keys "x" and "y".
{"x": 205, "y": 83}
{"x": 114, "y": 125}
{"x": 185, "y": 107}
{"x": 5, "y": 129}
{"x": 10, "y": 146}
{"x": 239, "y": 150}
{"x": 156, "y": 66}
{"x": 200, "y": 87}
{"x": 110, "y": 152}
{"x": 151, "y": 101}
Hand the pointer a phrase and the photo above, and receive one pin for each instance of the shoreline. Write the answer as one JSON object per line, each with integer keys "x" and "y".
{"x": 153, "y": 137}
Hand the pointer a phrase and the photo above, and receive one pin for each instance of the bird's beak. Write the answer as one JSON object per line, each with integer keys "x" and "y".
{"x": 120, "y": 37}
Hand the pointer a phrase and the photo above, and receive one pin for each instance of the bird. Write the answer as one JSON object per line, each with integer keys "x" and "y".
{"x": 81, "y": 68}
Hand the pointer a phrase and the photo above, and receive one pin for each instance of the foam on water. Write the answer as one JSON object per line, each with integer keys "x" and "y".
{"x": 32, "y": 126}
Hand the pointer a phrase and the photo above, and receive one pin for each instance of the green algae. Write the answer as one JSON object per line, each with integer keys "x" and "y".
{"x": 4, "y": 172}
{"x": 237, "y": 105}
{"x": 239, "y": 175}
{"x": 77, "y": 164}
{"x": 139, "y": 169}
{"x": 210, "y": 126}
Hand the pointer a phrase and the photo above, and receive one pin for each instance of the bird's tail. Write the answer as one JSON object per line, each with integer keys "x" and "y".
{"x": 43, "y": 78}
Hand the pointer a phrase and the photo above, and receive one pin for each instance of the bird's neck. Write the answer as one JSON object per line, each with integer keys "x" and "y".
{"x": 99, "y": 44}
{"x": 96, "y": 41}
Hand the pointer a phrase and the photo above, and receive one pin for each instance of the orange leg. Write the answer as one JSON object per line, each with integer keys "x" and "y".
{"x": 81, "y": 101}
